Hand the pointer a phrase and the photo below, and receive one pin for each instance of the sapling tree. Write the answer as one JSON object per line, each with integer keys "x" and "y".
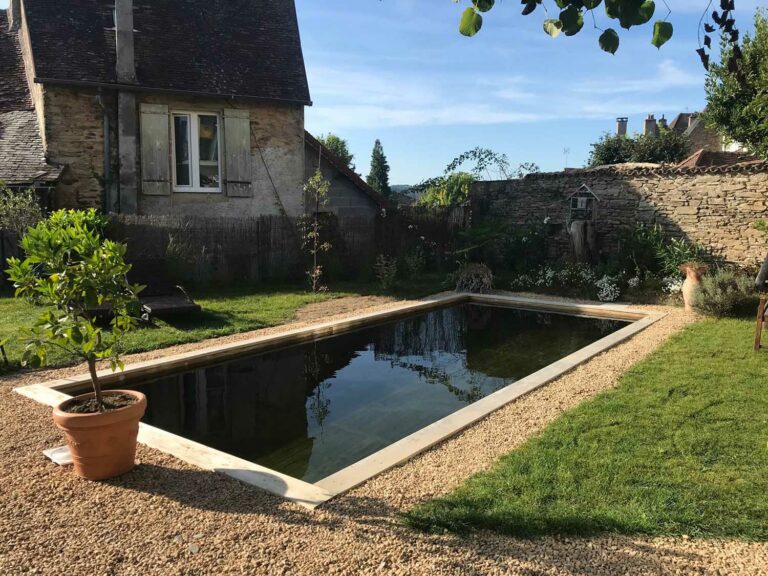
{"x": 316, "y": 191}
{"x": 70, "y": 269}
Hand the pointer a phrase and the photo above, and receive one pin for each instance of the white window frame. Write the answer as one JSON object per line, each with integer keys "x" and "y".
{"x": 194, "y": 151}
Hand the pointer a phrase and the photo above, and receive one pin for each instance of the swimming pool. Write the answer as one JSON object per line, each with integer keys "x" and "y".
{"x": 314, "y": 411}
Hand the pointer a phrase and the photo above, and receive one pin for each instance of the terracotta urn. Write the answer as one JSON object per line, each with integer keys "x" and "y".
{"x": 693, "y": 272}
{"x": 103, "y": 444}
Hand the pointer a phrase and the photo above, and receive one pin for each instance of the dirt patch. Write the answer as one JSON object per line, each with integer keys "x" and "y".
{"x": 111, "y": 403}
{"x": 352, "y": 304}
{"x": 166, "y": 517}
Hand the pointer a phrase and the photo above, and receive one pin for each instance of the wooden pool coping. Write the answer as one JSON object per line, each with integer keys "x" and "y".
{"x": 312, "y": 495}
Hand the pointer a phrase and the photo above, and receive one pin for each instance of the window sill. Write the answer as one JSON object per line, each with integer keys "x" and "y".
{"x": 197, "y": 190}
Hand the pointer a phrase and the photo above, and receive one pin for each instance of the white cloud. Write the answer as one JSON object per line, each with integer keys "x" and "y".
{"x": 371, "y": 116}
{"x": 668, "y": 75}
{"x": 355, "y": 97}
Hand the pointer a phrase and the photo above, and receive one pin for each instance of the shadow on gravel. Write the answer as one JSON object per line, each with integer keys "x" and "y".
{"x": 373, "y": 520}
{"x": 607, "y": 554}
{"x": 209, "y": 491}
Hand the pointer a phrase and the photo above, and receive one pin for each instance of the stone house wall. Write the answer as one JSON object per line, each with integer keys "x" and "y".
{"x": 277, "y": 163}
{"x": 715, "y": 207}
{"x": 707, "y": 138}
{"x": 73, "y": 132}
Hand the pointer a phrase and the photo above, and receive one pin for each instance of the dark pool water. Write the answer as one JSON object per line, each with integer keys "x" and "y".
{"x": 312, "y": 409}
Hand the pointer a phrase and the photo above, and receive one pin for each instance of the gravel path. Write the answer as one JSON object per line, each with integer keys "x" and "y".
{"x": 168, "y": 518}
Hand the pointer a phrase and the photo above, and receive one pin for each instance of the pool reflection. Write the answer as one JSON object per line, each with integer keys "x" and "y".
{"x": 313, "y": 409}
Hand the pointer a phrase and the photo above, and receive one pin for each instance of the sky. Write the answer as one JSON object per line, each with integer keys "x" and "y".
{"x": 399, "y": 71}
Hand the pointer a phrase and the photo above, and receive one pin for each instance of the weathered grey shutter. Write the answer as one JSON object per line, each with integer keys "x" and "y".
{"x": 155, "y": 150}
{"x": 237, "y": 153}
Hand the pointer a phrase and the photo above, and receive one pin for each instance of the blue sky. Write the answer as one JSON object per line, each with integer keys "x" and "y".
{"x": 398, "y": 70}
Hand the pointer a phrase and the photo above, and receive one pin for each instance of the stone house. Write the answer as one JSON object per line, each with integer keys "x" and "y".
{"x": 192, "y": 107}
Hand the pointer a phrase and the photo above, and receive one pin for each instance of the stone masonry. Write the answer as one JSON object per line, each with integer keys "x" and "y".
{"x": 715, "y": 207}
{"x": 74, "y": 136}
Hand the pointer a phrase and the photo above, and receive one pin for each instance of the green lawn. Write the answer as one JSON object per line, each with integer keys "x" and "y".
{"x": 225, "y": 311}
{"x": 680, "y": 447}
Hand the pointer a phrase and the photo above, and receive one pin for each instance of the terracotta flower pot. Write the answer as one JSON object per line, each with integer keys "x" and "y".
{"x": 692, "y": 283}
{"x": 103, "y": 445}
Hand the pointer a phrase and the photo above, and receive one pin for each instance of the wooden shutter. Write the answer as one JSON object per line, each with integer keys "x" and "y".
{"x": 155, "y": 150}
{"x": 237, "y": 153}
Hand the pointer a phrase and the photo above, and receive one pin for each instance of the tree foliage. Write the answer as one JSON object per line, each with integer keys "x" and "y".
{"x": 666, "y": 147}
{"x": 71, "y": 270}
{"x": 316, "y": 192}
{"x": 378, "y": 177}
{"x": 625, "y": 13}
{"x": 339, "y": 147}
{"x": 450, "y": 190}
{"x": 737, "y": 95}
{"x": 490, "y": 165}
{"x": 19, "y": 210}
{"x": 453, "y": 187}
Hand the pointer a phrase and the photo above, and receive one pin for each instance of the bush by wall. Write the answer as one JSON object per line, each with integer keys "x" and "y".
{"x": 725, "y": 292}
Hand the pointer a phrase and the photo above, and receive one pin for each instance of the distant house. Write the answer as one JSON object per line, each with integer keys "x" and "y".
{"x": 192, "y": 107}
{"x": 709, "y": 148}
{"x": 703, "y": 137}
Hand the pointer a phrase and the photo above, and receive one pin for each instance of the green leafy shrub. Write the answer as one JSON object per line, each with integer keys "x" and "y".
{"x": 475, "y": 278}
{"x": 667, "y": 146}
{"x": 414, "y": 262}
{"x": 386, "y": 271}
{"x": 724, "y": 293}
{"x": 19, "y": 210}
{"x": 674, "y": 252}
{"x": 647, "y": 250}
{"x": 71, "y": 270}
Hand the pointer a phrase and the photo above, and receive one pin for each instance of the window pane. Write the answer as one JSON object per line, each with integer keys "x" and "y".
{"x": 181, "y": 150}
{"x": 209, "y": 151}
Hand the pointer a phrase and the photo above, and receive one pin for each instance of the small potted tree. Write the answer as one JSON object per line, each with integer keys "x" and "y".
{"x": 71, "y": 270}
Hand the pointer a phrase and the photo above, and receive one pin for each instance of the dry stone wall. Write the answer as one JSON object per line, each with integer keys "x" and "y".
{"x": 716, "y": 207}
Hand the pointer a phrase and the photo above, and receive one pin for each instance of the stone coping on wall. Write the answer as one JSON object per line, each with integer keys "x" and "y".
{"x": 647, "y": 170}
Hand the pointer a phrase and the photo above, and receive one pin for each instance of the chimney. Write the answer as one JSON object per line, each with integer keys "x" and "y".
{"x": 692, "y": 118}
{"x": 621, "y": 126}
{"x": 663, "y": 123}
{"x": 14, "y": 15}
{"x": 650, "y": 125}
{"x": 126, "y": 63}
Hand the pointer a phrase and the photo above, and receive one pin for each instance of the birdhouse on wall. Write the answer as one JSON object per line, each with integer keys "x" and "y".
{"x": 582, "y": 204}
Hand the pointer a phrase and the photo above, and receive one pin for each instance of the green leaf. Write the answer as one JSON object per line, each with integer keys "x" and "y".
{"x": 609, "y": 41}
{"x": 553, "y": 27}
{"x": 471, "y": 22}
{"x": 483, "y": 5}
{"x": 645, "y": 12}
{"x": 591, "y": 4}
{"x": 530, "y": 7}
{"x": 631, "y": 13}
{"x": 572, "y": 19}
{"x": 662, "y": 32}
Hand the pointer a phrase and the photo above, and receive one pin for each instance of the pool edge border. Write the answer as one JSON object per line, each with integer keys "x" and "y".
{"x": 313, "y": 495}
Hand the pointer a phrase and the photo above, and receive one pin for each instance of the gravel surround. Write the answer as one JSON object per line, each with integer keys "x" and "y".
{"x": 166, "y": 517}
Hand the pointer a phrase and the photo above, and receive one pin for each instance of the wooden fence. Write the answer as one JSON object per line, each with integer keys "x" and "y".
{"x": 171, "y": 250}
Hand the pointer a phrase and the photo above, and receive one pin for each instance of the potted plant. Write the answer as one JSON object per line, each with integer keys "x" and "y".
{"x": 71, "y": 270}
{"x": 693, "y": 272}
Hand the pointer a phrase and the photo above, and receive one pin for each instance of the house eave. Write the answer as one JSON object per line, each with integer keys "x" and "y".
{"x": 168, "y": 91}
